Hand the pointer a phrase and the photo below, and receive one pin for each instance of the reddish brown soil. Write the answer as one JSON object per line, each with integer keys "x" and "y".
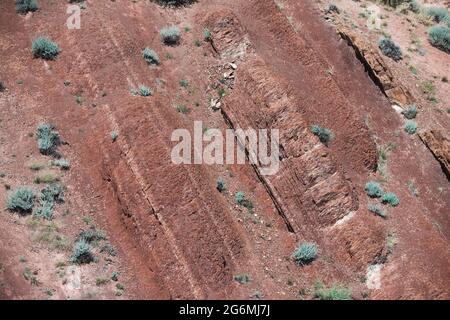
{"x": 176, "y": 235}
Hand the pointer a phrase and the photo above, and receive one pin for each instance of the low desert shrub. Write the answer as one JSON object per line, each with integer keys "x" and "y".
{"x": 175, "y": 3}
{"x": 82, "y": 252}
{"x": 411, "y": 126}
{"x": 305, "y": 253}
{"x": 145, "y": 91}
{"x": 438, "y": 14}
{"x": 410, "y": 112}
{"x": 24, "y": 6}
{"x": 220, "y": 185}
{"x": 21, "y": 200}
{"x": 336, "y": 292}
{"x": 373, "y": 189}
{"x": 91, "y": 235}
{"x": 48, "y": 138}
{"x": 377, "y": 210}
{"x": 414, "y": 6}
{"x": 439, "y": 36}
{"x": 325, "y": 135}
{"x": 333, "y": 8}
{"x": 45, "y": 49}
{"x": 170, "y": 35}
{"x": 391, "y": 199}
{"x": 64, "y": 164}
{"x": 114, "y": 135}
{"x": 46, "y": 177}
{"x": 242, "y": 200}
{"x": 390, "y": 49}
{"x": 242, "y": 278}
{"x": 207, "y": 36}
{"x": 150, "y": 56}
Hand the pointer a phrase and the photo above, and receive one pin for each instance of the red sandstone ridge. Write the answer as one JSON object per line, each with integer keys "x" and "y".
{"x": 160, "y": 230}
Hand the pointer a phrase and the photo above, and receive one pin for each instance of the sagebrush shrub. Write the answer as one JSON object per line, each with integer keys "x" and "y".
{"x": 325, "y": 135}
{"x": 48, "y": 138}
{"x": 207, "y": 36}
{"x": 336, "y": 292}
{"x": 24, "y": 6}
{"x": 53, "y": 193}
{"x": 242, "y": 278}
{"x": 145, "y": 91}
{"x": 439, "y": 36}
{"x": 390, "y": 49}
{"x": 91, "y": 235}
{"x": 64, "y": 164}
{"x": 373, "y": 189}
{"x": 170, "y": 35}
{"x": 82, "y": 252}
{"x": 414, "y": 6}
{"x": 377, "y": 210}
{"x": 175, "y": 3}
{"x": 333, "y": 8}
{"x": 220, "y": 185}
{"x": 438, "y": 14}
{"x": 150, "y": 56}
{"x": 45, "y": 49}
{"x": 410, "y": 126}
{"x": 390, "y": 198}
{"x": 21, "y": 200}
{"x": 305, "y": 253}
{"x": 114, "y": 135}
{"x": 410, "y": 112}
{"x": 242, "y": 200}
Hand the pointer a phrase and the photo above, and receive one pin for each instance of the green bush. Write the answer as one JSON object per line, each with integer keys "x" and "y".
{"x": 45, "y": 211}
{"x": 64, "y": 164}
{"x": 325, "y": 135}
{"x": 170, "y": 35}
{"x": 45, "y": 49}
{"x": 439, "y": 36}
{"x": 24, "y": 6}
{"x": 242, "y": 278}
{"x": 207, "y": 36}
{"x": 410, "y": 126}
{"x": 145, "y": 91}
{"x": 243, "y": 201}
{"x": 390, "y": 49}
{"x": 377, "y": 210}
{"x": 373, "y": 189}
{"x": 175, "y": 3}
{"x": 220, "y": 185}
{"x": 414, "y": 6}
{"x": 82, "y": 253}
{"x": 21, "y": 200}
{"x": 49, "y": 196}
{"x": 305, "y": 253}
{"x": 48, "y": 139}
{"x": 91, "y": 235}
{"x": 391, "y": 199}
{"x": 438, "y": 14}
{"x": 333, "y": 8}
{"x": 336, "y": 292}
{"x": 114, "y": 136}
{"x": 53, "y": 193}
{"x": 410, "y": 112}
{"x": 150, "y": 56}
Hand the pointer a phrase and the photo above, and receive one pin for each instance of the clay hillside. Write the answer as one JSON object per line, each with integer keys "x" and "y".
{"x": 93, "y": 205}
